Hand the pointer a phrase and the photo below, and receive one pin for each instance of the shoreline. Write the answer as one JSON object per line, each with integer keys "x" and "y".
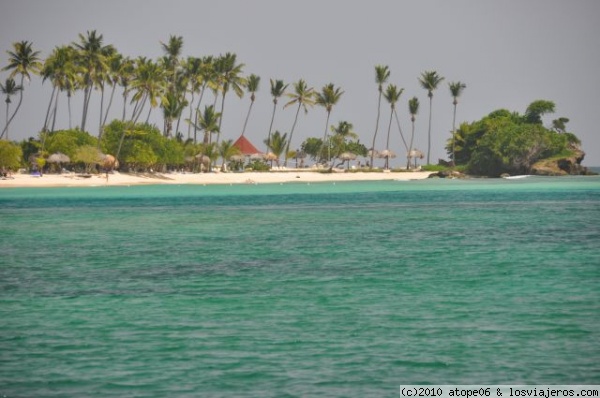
{"x": 213, "y": 178}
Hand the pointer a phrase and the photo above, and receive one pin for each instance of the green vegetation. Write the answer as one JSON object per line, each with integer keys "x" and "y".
{"x": 500, "y": 142}
{"x": 10, "y": 156}
{"x": 508, "y": 142}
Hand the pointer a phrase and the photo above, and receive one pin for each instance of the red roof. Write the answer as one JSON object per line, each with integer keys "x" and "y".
{"x": 245, "y": 146}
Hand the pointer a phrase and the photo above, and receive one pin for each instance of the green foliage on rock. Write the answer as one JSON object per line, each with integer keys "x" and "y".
{"x": 507, "y": 142}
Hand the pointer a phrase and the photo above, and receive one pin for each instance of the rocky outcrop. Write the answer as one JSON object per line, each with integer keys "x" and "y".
{"x": 570, "y": 165}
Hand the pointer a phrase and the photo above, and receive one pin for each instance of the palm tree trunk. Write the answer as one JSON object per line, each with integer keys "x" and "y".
{"x": 54, "y": 112}
{"x": 221, "y": 118}
{"x": 247, "y": 117}
{"x": 387, "y": 142}
{"x": 49, "y": 107}
{"x": 191, "y": 114}
{"x": 325, "y": 136}
{"x": 271, "y": 126}
{"x": 110, "y": 101}
{"x": 412, "y": 136}
{"x": 86, "y": 95}
{"x": 429, "y": 129}
{"x": 376, "y": 128}
{"x": 101, "y": 112}
{"x": 69, "y": 105}
{"x": 287, "y": 149}
{"x": 6, "y": 127}
{"x": 198, "y": 110}
{"x": 149, "y": 112}
{"x": 125, "y": 94}
{"x": 454, "y": 135}
{"x": 400, "y": 129}
{"x": 15, "y": 112}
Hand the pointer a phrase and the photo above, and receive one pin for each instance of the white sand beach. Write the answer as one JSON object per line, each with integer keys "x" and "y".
{"x": 125, "y": 179}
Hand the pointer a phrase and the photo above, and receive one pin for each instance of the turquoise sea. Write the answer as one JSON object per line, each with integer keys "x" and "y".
{"x": 298, "y": 290}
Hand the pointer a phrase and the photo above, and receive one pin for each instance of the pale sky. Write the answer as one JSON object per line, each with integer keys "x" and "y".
{"x": 508, "y": 52}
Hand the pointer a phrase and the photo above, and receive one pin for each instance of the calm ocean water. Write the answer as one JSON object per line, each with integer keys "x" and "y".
{"x": 298, "y": 290}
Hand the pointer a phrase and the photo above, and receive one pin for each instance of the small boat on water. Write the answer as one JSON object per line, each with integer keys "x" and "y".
{"x": 517, "y": 177}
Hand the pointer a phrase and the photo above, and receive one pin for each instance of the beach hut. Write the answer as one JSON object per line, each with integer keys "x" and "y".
{"x": 245, "y": 146}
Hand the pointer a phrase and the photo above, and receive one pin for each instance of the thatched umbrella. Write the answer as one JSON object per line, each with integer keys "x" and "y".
{"x": 270, "y": 156}
{"x": 58, "y": 158}
{"x": 347, "y": 157}
{"x": 386, "y": 154}
{"x": 204, "y": 160}
{"x": 109, "y": 162}
{"x": 414, "y": 154}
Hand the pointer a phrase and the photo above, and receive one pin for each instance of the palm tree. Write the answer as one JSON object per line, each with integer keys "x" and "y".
{"x": 206, "y": 77}
{"x": 304, "y": 97}
{"x": 327, "y": 98}
{"x": 22, "y": 61}
{"x": 382, "y": 74}
{"x": 413, "y": 109}
{"x": 9, "y": 88}
{"x": 148, "y": 83}
{"x": 392, "y": 95}
{"x": 125, "y": 75}
{"x": 115, "y": 66}
{"x": 456, "y": 89}
{"x": 172, "y": 106}
{"x": 277, "y": 90}
{"x": 59, "y": 68}
{"x": 227, "y": 150}
{"x": 172, "y": 51}
{"x": 230, "y": 75}
{"x": 252, "y": 87}
{"x": 277, "y": 145}
{"x": 191, "y": 69}
{"x": 429, "y": 81}
{"x": 91, "y": 56}
{"x": 208, "y": 121}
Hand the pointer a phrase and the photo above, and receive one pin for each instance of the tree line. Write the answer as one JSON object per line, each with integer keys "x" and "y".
{"x": 177, "y": 86}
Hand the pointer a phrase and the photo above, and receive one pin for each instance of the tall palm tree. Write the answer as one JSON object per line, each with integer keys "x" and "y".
{"x": 9, "y": 88}
{"x": 392, "y": 96}
{"x": 172, "y": 51}
{"x": 382, "y": 74}
{"x": 413, "y": 109}
{"x": 277, "y": 90}
{"x": 91, "y": 56}
{"x": 113, "y": 76}
{"x": 23, "y": 61}
{"x": 230, "y": 75}
{"x": 125, "y": 75}
{"x": 191, "y": 69}
{"x": 59, "y": 69}
{"x": 206, "y": 77}
{"x": 252, "y": 87}
{"x": 304, "y": 97}
{"x": 327, "y": 98}
{"x": 149, "y": 85}
{"x": 429, "y": 81}
{"x": 456, "y": 89}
